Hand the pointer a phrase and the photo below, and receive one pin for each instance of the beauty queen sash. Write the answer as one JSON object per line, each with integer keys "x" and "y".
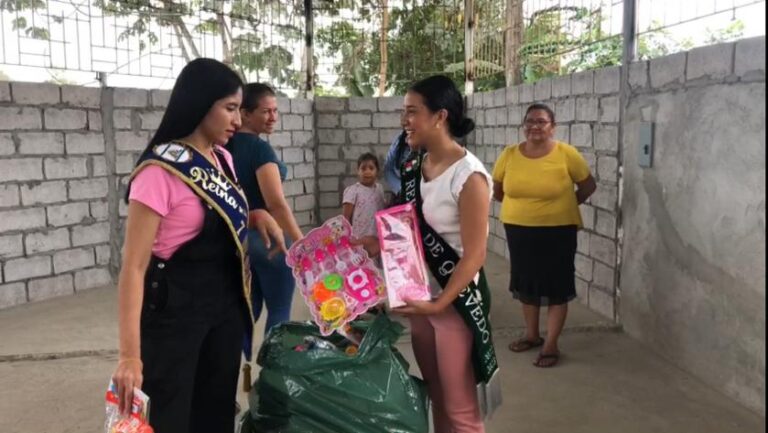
{"x": 218, "y": 189}
{"x": 473, "y": 303}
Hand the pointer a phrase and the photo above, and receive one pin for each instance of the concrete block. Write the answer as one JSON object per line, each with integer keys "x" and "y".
{"x": 332, "y": 168}
{"x": 47, "y": 288}
{"x": 582, "y": 290}
{"x": 5, "y": 91}
{"x": 352, "y": 153}
{"x": 667, "y": 70}
{"x": 750, "y": 59}
{"x": 36, "y": 93}
{"x": 7, "y": 145}
{"x": 510, "y": 137}
{"x": 713, "y": 61}
{"x": 27, "y": 267}
{"x": 293, "y": 188}
{"x": 499, "y": 97}
{"x": 391, "y": 103}
{"x": 159, "y": 98}
{"x": 356, "y": 120}
{"x": 309, "y": 122}
{"x": 328, "y": 152}
{"x": 527, "y": 93}
{"x": 11, "y": 246}
{"x": 18, "y": 118}
{"x": 561, "y": 86}
{"x": 609, "y": 109}
{"x": 65, "y": 168}
{"x": 83, "y": 97}
{"x": 9, "y": 195}
{"x": 122, "y": 118}
{"x": 329, "y": 184}
{"x": 150, "y": 120}
{"x": 304, "y": 203}
{"x": 309, "y": 186}
{"x": 283, "y": 105}
{"x": 562, "y": 133}
{"x": 582, "y": 242}
{"x": 12, "y": 294}
{"x": 304, "y": 218}
{"x": 280, "y": 139}
{"x": 92, "y": 278}
{"x": 607, "y": 168}
{"x": 602, "y": 249}
{"x": 363, "y": 104}
{"x": 515, "y": 115}
{"x": 293, "y": 122}
{"x": 513, "y": 95}
{"x": 68, "y": 214}
{"x": 103, "y": 254}
{"x": 41, "y": 143}
{"x": 21, "y": 169}
{"x": 543, "y": 90}
{"x": 21, "y": 219}
{"x": 303, "y": 171}
{"x": 84, "y": 143}
{"x": 499, "y": 136}
{"x": 583, "y": 266}
{"x": 303, "y": 138}
{"x": 292, "y": 155}
{"x": 49, "y": 240}
{"x": 486, "y": 98}
{"x": 602, "y": 303}
{"x": 582, "y": 83}
{"x": 125, "y": 162}
{"x": 90, "y": 234}
{"x": 386, "y": 120}
{"x": 606, "y": 224}
{"x": 43, "y": 192}
{"x": 364, "y": 136}
{"x": 327, "y": 120}
{"x": 129, "y": 141}
{"x": 491, "y": 119}
{"x": 607, "y": 80}
{"x": 605, "y": 197}
{"x": 638, "y": 75}
{"x": 99, "y": 210}
{"x": 607, "y": 138}
{"x": 591, "y": 159}
{"x": 387, "y": 136}
{"x": 301, "y": 106}
{"x": 331, "y": 136}
{"x": 587, "y": 216}
{"x": 131, "y": 98}
{"x": 325, "y": 104}
{"x": 587, "y": 109}
{"x": 65, "y": 118}
{"x": 330, "y": 199}
{"x": 581, "y": 135}
{"x": 76, "y": 258}
{"x": 565, "y": 110}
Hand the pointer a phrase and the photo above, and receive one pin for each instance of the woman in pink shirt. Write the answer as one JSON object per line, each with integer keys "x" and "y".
{"x": 184, "y": 311}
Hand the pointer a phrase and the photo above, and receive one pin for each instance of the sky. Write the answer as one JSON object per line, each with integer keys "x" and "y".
{"x": 70, "y": 46}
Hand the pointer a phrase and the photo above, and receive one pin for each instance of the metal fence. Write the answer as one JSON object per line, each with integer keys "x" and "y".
{"x": 352, "y": 47}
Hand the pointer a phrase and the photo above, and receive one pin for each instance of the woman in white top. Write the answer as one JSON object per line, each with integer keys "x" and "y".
{"x": 455, "y": 195}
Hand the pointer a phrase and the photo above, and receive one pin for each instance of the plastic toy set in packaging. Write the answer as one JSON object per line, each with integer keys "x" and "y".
{"x": 138, "y": 419}
{"x": 402, "y": 255}
{"x": 337, "y": 280}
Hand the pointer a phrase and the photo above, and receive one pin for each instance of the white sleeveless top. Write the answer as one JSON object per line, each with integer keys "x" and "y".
{"x": 440, "y": 197}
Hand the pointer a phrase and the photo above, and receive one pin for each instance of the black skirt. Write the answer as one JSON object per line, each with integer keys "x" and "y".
{"x": 541, "y": 262}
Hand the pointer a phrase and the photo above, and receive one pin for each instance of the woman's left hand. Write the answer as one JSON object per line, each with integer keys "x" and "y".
{"x": 423, "y": 308}
{"x": 269, "y": 230}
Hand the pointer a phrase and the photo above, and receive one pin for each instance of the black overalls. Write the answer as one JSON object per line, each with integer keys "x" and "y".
{"x": 192, "y": 325}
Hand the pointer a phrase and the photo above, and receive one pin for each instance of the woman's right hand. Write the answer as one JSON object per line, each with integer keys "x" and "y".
{"x": 269, "y": 230}
{"x": 126, "y": 377}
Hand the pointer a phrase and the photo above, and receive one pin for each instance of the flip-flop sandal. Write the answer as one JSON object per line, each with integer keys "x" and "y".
{"x": 555, "y": 357}
{"x": 525, "y": 344}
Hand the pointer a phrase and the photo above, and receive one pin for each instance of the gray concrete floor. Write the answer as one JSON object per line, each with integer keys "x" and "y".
{"x": 56, "y": 358}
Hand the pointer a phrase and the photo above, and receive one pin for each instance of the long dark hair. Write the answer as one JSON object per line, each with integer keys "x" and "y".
{"x": 200, "y": 84}
{"x": 440, "y": 93}
{"x": 252, "y": 94}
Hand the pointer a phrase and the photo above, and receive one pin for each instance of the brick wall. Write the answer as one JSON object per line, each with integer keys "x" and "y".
{"x": 65, "y": 157}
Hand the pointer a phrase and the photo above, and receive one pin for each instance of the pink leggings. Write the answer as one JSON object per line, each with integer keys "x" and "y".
{"x": 442, "y": 344}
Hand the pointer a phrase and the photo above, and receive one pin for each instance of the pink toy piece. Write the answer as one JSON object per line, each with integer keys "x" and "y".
{"x": 361, "y": 284}
{"x": 402, "y": 255}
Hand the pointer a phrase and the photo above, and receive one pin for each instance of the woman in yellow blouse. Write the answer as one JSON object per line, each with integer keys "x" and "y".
{"x": 541, "y": 183}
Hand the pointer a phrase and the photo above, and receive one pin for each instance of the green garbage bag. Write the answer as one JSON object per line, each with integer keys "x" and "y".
{"x": 325, "y": 390}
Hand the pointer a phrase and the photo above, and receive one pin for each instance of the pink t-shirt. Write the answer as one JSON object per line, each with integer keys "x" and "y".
{"x": 180, "y": 208}
{"x": 367, "y": 201}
